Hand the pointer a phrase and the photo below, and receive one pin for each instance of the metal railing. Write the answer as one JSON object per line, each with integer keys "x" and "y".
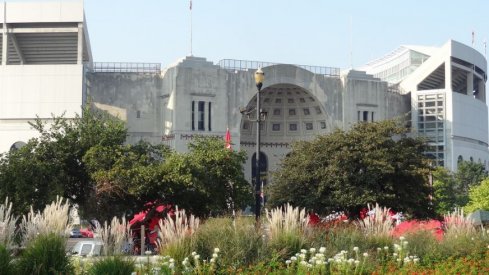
{"x": 243, "y": 65}
{"x": 126, "y": 67}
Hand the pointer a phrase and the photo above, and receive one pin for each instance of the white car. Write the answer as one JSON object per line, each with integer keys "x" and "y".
{"x": 88, "y": 247}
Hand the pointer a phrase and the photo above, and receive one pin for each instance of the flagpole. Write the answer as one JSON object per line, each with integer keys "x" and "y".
{"x": 191, "y": 54}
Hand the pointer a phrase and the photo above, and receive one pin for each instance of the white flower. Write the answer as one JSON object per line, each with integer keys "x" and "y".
{"x": 394, "y": 254}
{"x": 357, "y": 262}
{"x": 171, "y": 266}
{"x": 214, "y": 255}
{"x": 379, "y": 249}
{"x": 303, "y": 251}
{"x": 194, "y": 253}
{"x": 302, "y": 256}
{"x": 148, "y": 252}
{"x": 416, "y": 260}
{"x": 303, "y": 262}
{"x": 365, "y": 254}
{"x": 216, "y": 250}
{"x": 386, "y": 248}
{"x": 312, "y": 250}
{"x": 196, "y": 257}
{"x": 355, "y": 249}
{"x": 288, "y": 262}
{"x": 319, "y": 262}
{"x": 293, "y": 258}
{"x": 171, "y": 260}
{"x": 322, "y": 249}
{"x": 351, "y": 261}
{"x": 405, "y": 243}
{"x": 213, "y": 260}
{"x": 402, "y": 238}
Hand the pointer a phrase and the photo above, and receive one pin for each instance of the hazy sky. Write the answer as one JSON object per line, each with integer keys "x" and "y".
{"x": 308, "y": 32}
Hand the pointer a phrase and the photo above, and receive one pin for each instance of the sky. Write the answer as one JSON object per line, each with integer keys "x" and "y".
{"x": 341, "y": 34}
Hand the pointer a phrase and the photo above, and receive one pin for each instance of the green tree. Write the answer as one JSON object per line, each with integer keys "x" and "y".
{"x": 468, "y": 175}
{"x": 478, "y": 197}
{"x": 444, "y": 191}
{"x": 373, "y": 162}
{"x": 207, "y": 179}
{"x": 52, "y": 164}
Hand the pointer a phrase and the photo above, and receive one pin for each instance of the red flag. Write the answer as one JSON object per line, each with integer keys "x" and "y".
{"x": 228, "y": 139}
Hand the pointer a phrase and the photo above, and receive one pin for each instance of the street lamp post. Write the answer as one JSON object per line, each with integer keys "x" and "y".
{"x": 259, "y": 77}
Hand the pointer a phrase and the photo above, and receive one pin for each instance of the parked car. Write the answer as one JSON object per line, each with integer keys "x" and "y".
{"x": 88, "y": 247}
{"x": 75, "y": 233}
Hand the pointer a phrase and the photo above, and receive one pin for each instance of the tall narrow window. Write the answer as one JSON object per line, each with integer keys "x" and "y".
{"x": 201, "y": 116}
{"x": 365, "y": 116}
{"x": 210, "y": 108}
{"x": 193, "y": 115}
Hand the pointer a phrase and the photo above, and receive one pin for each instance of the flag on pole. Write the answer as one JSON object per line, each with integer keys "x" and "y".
{"x": 473, "y": 38}
{"x": 190, "y": 4}
{"x": 227, "y": 139}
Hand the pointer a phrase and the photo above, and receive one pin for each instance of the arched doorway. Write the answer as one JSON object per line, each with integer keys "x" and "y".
{"x": 17, "y": 145}
{"x": 293, "y": 113}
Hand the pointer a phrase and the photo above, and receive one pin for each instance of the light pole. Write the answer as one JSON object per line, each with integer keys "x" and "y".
{"x": 259, "y": 77}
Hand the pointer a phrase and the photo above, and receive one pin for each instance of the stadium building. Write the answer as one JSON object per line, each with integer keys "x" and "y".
{"x": 47, "y": 68}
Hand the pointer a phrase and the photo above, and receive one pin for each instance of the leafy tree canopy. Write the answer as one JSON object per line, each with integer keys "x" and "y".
{"x": 478, "y": 197}
{"x": 346, "y": 170}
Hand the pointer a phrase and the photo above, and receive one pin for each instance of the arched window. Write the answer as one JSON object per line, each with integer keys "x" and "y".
{"x": 17, "y": 145}
{"x": 460, "y": 159}
{"x": 471, "y": 159}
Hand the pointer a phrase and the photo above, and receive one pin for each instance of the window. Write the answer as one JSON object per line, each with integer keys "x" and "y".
{"x": 293, "y": 127}
{"x": 309, "y": 126}
{"x": 318, "y": 110}
{"x": 302, "y": 100}
{"x": 460, "y": 159}
{"x": 201, "y": 116}
{"x": 312, "y": 99}
{"x": 267, "y": 100}
{"x": 138, "y": 114}
{"x": 278, "y": 100}
{"x": 365, "y": 115}
{"x": 276, "y": 112}
{"x": 210, "y": 108}
{"x": 291, "y": 112}
{"x": 306, "y": 111}
{"x": 290, "y": 100}
{"x": 246, "y": 125}
{"x": 322, "y": 124}
{"x": 193, "y": 115}
{"x": 276, "y": 127}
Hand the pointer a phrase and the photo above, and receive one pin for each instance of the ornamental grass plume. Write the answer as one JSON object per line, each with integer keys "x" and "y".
{"x": 285, "y": 220}
{"x": 378, "y": 223}
{"x": 114, "y": 236}
{"x": 53, "y": 219}
{"x": 7, "y": 224}
{"x": 174, "y": 230}
{"x": 456, "y": 224}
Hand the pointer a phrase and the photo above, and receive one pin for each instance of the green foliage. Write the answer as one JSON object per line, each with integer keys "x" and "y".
{"x": 241, "y": 243}
{"x": 444, "y": 191}
{"x": 45, "y": 255}
{"x": 51, "y": 165}
{"x": 6, "y": 265}
{"x": 478, "y": 197}
{"x": 373, "y": 162}
{"x": 112, "y": 266}
{"x": 468, "y": 174}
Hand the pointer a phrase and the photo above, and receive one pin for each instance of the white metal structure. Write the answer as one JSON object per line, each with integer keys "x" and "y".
{"x": 43, "y": 48}
{"x": 448, "y": 98}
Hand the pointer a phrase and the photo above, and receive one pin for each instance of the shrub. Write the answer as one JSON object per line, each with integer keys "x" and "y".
{"x": 241, "y": 243}
{"x": 6, "y": 266}
{"x": 112, "y": 266}
{"x": 45, "y": 255}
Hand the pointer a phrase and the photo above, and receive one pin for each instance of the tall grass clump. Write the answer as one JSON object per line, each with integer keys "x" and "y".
{"x": 6, "y": 264}
{"x": 378, "y": 224}
{"x": 241, "y": 243}
{"x": 114, "y": 236}
{"x": 54, "y": 219}
{"x": 45, "y": 255}
{"x": 7, "y": 225}
{"x": 112, "y": 266}
{"x": 176, "y": 233}
{"x": 286, "y": 230}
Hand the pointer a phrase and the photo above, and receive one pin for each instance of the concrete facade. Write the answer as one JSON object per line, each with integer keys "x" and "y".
{"x": 196, "y": 97}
